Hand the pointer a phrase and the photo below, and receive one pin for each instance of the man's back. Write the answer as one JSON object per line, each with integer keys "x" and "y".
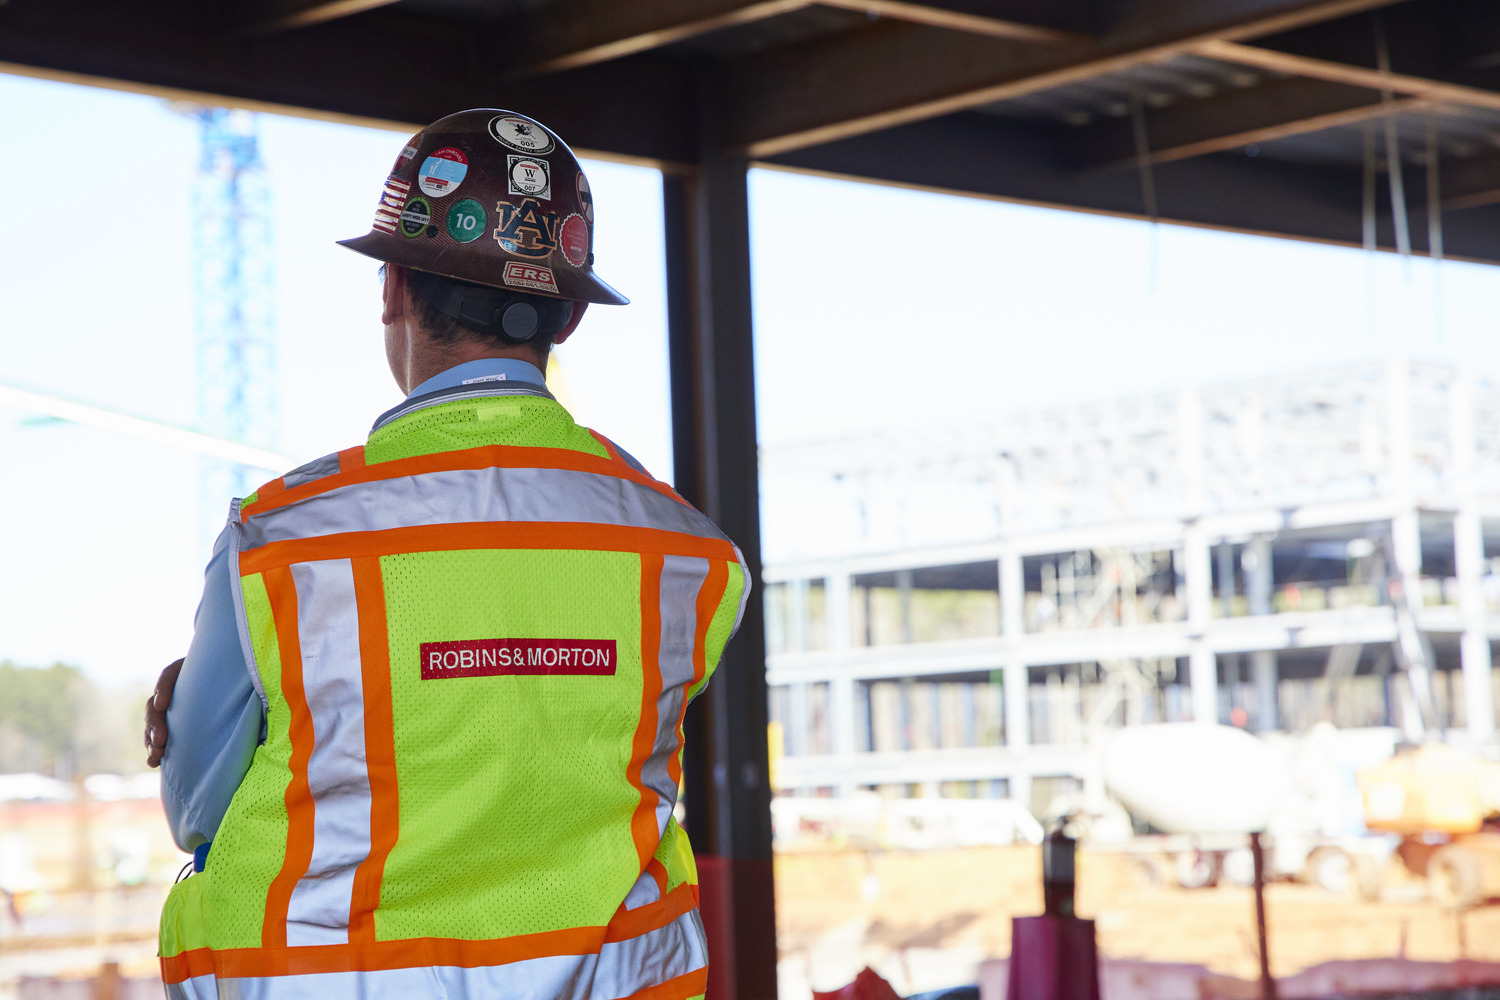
{"x": 475, "y": 637}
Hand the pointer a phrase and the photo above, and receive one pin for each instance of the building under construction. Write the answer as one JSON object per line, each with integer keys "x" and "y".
{"x": 1271, "y": 554}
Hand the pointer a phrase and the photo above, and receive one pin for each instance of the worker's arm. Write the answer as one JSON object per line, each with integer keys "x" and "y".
{"x": 213, "y": 719}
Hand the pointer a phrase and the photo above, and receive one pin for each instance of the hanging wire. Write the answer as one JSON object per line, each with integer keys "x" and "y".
{"x": 1368, "y": 228}
{"x": 1392, "y": 144}
{"x": 1148, "y": 180}
{"x": 1371, "y": 170}
{"x": 1435, "y": 228}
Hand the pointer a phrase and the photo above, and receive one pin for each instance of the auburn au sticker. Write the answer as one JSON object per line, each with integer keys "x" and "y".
{"x": 526, "y": 230}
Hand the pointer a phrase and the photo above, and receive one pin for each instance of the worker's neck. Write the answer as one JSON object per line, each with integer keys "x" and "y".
{"x": 431, "y": 359}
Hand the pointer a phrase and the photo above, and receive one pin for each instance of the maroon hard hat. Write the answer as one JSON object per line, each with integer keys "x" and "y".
{"x": 494, "y": 198}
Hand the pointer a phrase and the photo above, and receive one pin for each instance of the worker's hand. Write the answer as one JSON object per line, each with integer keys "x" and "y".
{"x": 156, "y": 713}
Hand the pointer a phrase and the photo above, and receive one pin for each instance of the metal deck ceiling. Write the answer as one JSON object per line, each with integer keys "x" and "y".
{"x": 1254, "y": 112}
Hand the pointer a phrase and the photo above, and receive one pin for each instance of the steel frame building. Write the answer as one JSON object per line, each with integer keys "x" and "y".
{"x": 1163, "y": 556}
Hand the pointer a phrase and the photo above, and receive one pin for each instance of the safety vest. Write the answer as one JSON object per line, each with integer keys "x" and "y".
{"x": 475, "y": 637}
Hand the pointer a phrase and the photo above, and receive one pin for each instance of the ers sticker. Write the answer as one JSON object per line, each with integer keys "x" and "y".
{"x": 518, "y": 657}
{"x": 532, "y": 276}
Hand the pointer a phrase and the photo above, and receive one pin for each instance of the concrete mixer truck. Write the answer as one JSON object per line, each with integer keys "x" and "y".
{"x": 1200, "y": 790}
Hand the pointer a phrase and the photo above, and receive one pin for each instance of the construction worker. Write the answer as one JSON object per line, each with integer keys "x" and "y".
{"x": 427, "y": 739}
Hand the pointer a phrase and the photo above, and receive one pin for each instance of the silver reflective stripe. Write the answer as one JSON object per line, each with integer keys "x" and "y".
{"x": 318, "y": 468}
{"x": 682, "y": 578}
{"x": 476, "y": 495}
{"x": 621, "y": 969}
{"x": 237, "y": 592}
{"x": 197, "y": 988}
{"x": 328, "y": 627}
{"x": 644, "y": 891}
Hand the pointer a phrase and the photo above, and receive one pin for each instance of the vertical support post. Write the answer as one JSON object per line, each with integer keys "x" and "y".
{"x": 1203, "y": 669}
{"x": 1468, "y": 563}
{"x": 1197, "y": 566}
{"x": 1259, "y": 582}
{"x": 1258, "y": 858}
{"x": 1017, "y": 726}
{"x": 838, "y": 590}
{"x": 712, "y": 361}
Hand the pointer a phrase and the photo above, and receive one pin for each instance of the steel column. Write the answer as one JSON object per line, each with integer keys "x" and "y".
{"x": 714, "y": 449}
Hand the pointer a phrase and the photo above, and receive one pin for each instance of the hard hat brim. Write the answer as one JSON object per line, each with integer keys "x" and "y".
{"x": 380, "y": 247}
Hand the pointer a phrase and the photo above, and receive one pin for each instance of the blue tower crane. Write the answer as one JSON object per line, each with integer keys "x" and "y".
{"x": 233, "y": 298}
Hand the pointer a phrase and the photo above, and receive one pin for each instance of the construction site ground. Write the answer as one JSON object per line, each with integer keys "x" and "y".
{"x": 925, "y": 919}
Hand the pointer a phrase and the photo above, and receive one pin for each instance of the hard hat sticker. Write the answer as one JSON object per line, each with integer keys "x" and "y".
{"x": 529, "y": 175}
{"x": 533, "y": 276}
{"x": 392, "y": 201}
{"x": 525, "y": 230}
{"x": 416, "y": 217}
{"x": 467, "y": 221}
{"x": 443, "y": 172}
{"x": 521, "y": 135}
{"x": 585, "y": 198}
{"x": 407, "y": 153}
{"x": 573, "y": 240}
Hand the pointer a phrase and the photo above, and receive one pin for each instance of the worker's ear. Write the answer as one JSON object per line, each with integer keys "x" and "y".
{"x": 393, "y": 294}
{"x": 578, "y": 310}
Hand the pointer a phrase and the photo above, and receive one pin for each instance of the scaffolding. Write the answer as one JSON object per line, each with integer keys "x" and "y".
{"x": 232, "y": 292}
{"x": 968, "y": 609}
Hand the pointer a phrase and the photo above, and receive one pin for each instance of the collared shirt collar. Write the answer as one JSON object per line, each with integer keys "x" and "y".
{"x": 484, "y": 377}
{"x": 481, "y": 371}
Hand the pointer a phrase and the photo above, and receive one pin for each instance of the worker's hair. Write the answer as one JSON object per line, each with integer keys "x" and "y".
{"x": 424, "y": 289}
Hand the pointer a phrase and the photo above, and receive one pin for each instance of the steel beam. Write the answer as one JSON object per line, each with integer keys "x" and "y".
{"x": 1317, "y": 68}
{"x": 588, "y": 31}
{"x": 972, "y": 18}
{"x": 1230, "y": 121}
{"x": 728, "y": 798}
{"x": 329, "y": 71}
{"x": 266, "y": 16}
{"x": 896, "y": 74}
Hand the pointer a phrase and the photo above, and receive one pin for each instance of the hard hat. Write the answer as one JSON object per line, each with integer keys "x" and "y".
{"x": 494, "y": 198}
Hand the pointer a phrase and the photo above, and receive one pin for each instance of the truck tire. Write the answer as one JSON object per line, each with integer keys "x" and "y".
{"x": 1455, "y": 878}
{"x": 1238, "y": 866}
{"x": 1332, "y": 870}
{"x": 1195, "y": 869}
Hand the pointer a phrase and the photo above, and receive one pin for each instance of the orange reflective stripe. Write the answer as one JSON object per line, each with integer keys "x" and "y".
{"x": 709, "y": 596}
{"x": 627, "y": 924}
{"x": 692, "y": 984}
{"x": 658, "y": 872}
{"x": 607, "y": 445}
{"x": 493, "y": 456}
{"x": 410, "y": 953}
{"x": 351, "y": 459}
{"x": 198, "y": 962}
{"x": 483, "y": 535}
{"x": 643, "y": 821}
{"x": 299, "y": 802}
{"x": 271, "y": 490}
{"x": 380, "y": 746}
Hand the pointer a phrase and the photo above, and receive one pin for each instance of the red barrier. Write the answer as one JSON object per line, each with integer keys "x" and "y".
{"x": 1053, "y": 958}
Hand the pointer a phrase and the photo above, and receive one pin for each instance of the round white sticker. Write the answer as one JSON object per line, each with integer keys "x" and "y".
{"x": 530, "y": 175}
{"x": 443, "y": 172}
{"x": 521, "y": 134}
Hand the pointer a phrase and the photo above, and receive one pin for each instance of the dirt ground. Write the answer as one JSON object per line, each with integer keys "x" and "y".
{"x": 890, "y": 905}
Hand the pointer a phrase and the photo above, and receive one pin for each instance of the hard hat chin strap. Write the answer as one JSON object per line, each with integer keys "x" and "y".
{"x": 515, "y": 316}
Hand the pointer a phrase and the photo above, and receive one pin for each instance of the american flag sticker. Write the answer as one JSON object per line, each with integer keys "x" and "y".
{"x": 392, "y": 201}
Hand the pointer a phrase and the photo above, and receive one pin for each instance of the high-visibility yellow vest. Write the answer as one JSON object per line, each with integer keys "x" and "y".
{"x": 475, "y": 638}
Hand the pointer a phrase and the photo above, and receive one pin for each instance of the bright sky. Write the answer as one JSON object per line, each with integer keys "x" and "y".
{"x": 874, "y": 307}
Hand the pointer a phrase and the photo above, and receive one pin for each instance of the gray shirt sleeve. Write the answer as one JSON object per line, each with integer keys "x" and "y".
{"x": 216, "y": 719}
